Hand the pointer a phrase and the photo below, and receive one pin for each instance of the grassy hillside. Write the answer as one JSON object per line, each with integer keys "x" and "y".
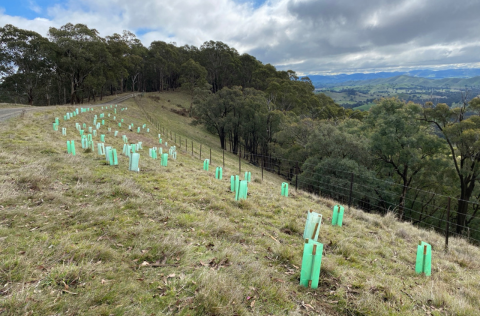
{"x": 79, "y": 237}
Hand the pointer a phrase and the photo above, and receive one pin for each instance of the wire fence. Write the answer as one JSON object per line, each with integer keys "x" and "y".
{"x": 420, "y": 207}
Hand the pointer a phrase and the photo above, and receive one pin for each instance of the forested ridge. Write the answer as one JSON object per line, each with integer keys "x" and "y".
{"x": 408, "y": 158}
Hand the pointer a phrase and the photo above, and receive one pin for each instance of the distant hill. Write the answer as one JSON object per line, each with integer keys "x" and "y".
{"x": 320, "y": 81}
{"x": 405, "y": 81}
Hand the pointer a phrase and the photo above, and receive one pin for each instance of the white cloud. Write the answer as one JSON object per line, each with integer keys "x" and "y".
{"x": 309, "y": 36}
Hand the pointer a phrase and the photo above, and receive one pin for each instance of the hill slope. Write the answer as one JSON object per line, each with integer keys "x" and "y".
{"x": 79, "y": 237}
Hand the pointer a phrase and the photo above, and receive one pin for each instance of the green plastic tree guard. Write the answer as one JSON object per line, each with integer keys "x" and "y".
{"x": 108, "y": 114}
{"x": 84, "y": 126}
{"x": 174, "y": 155}
{"x": 102, "y": 138}
{"x": 206, "y": 163}
{"x": 108, "y": 154}
{"x": 138, "y": 129}
{"x": 109, "y": 129}
{"x": 133, "y": 147}
{"x": 218, "y": 173}
{"x": 312, "y": 225}
{"x": 232, "y": 183}
{"x": 423, "y": 263}
{"x": 64, "y": 131}
{"x": 90, "y": 145}
{"x": 337, "y": 217}
{"x": 241, "y": 193}
{"x": 84, "y": 143}
{"x": 89, "y": 137}
{"x": 160, "y": 150}
{"x": 90, "y": 129}
{"x": 164, "y": 161}
{"x": 81, "y": 132}
{"x": 57, "y": 121}
{"x": 119, "y": 124}
{"x": 133, "y": 163}
{"x": 115, "y": 134}
{"x": 69, "y": 147}
{"x": 95, "y": 132}
{"x": 115, "y": 118}
{"x": 64, "y": 117}
{"x": 125, "y": 148}
{"x": 311, "y": 264}
{"x": 148, "y": 130}
{"x": 285, "y": 189}
{"x": 248, "y": 176}
{"x": 115, "y": 158}
{"x": 166, "y": 144}
{"x": 121, "y": 121}
{"x": 72, "y": 147}
{"x": 101, "y": 149}
{"x": 139, "y": 146}
{"x": 160, "y": 140}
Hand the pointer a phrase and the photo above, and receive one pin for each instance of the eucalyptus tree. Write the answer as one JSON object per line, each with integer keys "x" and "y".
{"x": 402, "y": 142}
{"x": 79, "y": 51}
{"x": 460, "y": 127}
{"x": 193, "y": 75}
{"x": 25, "y": 62}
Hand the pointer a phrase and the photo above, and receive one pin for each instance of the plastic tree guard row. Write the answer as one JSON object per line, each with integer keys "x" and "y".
{"x": 285, "y": 189}
{"x": 241, "y": 193}
{"x": 218, "y": 173}
{"x": 337, "y": 217}
{"x": 311, "y": 263}
{"x": 133, "y": 162}
{"x": 71, "y": 147}
{"x": 423, "y": 263}
{"x": 164, "y": 160}
{"x": 312, "y": 225}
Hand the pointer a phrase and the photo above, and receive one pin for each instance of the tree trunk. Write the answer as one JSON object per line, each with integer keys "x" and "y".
{"x": 467, "y": 187}
{"x": 72, "y": 93}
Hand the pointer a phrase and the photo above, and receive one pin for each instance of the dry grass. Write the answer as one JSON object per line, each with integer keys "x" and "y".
{"x": 78, "y": 237}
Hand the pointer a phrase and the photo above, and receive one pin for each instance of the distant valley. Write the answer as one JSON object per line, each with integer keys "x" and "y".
{"x": 359, "y": 91}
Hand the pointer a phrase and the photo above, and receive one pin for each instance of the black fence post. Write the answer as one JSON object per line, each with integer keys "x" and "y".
{"x": 210, "y": 155}
{"x": 448, "y": 225}
{"x": 240, "y": 162}
{"x": 351, "y": 191}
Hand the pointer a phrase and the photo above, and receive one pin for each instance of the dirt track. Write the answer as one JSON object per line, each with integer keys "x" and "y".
{"x": 7, "y": 113}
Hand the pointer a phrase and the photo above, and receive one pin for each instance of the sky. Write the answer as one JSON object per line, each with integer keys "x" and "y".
{"x": 307, "y": 36}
